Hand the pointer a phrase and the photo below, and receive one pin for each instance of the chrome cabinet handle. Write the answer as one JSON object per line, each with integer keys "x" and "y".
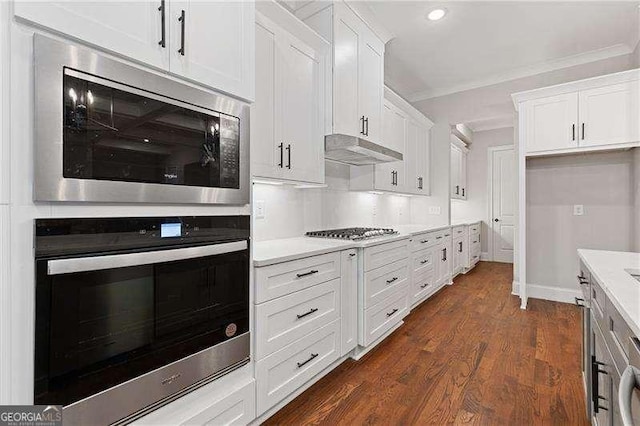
{"x": 392, "y": 312}
{"x": 311, "y": 358}
{"x": 163, "y": 31}
{"x": 311, "y": 311}
{"x": 392, "y": 280}
{"x": 306, "y": 274}
{"x": 182, "y": 20}
{"x": 628, "y": 383}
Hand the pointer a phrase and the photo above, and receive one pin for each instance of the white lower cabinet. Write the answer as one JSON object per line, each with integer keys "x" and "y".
{"x": 385, "y": 281}
{"x": 349, "y": 300}
{"x": 426, "y": 264}
{"x": 222, "y": 402}
{"x": 282, "y": 372}
{"x": 384, "y": 316}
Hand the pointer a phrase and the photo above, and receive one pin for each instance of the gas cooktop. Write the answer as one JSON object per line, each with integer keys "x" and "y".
{"x": 352, "y": 233}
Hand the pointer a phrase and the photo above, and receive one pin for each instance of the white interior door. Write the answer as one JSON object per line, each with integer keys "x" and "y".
{"x": 503, "y": 203}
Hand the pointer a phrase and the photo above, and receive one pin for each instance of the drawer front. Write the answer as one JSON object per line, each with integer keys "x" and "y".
{"x": 473, "y": 259}
{"x": 474, "y": 248}
{"x": 617, "y": 335}
{"x": 423, "y": 285}
{"x": 598, "y": 304}
{"x": 384, "y": 316}
{"x": 474, "y": 228}
{"x": 238, "y": 408}
{"x": 584, "y": 281}
{"x": 422, "y": 261}
{"x": 384, "y": 254}
{"x": 383, "y": 282}
{"x": 284, "y": 371}
{"x": 422, "y": 241}
{"x": 284, "y": 320}
{"x": 459, "y": 231}
{"x": 287, "y": 277}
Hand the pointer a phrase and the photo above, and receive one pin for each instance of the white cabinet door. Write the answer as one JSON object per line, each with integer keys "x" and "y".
{"x": 610, "y": 114}
{"x": 371, "y": 88}
{"x": 302, "y": 116}
{"x": 349, "y": 301}
{"x": 390, "y": 176}
{"x": 346, "y": 39}
{"x": 422, "y": 162}
{"x": 463, "y": 175}
{"x": 212, "y": 43}
{"x": 266, "y": 150}
{"x": 552, "y": 123}
{"x": 132, "y": 29}
{"x": 456, "y": 160}
{"x": 411, "y": 158}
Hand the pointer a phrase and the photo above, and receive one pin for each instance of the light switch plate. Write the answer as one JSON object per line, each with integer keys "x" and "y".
{"x": 434, "y": 210}
{"x": 578, "y": 210}
{"x": 259, "y": 209}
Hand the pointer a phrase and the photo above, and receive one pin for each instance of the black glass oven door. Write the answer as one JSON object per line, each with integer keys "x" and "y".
{"x": 100, "y": 328}
{"x": 116, "y": 132}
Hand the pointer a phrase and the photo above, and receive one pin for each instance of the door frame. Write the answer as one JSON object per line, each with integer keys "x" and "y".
{"x": 490, "y": 222}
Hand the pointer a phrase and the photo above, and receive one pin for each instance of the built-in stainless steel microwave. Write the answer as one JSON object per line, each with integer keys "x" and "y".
{"x": 106, "y": 131}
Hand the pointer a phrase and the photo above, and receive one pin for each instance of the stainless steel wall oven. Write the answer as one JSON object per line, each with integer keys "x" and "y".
{"x": 133, "y": 312}
{"x": 110, "y": 132}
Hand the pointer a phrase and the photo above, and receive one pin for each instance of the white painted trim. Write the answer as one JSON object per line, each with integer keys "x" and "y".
{"x": 455, "y": 140}
{"x": 553, "y": 293}
{"x": 575, "y": 86}
{"x": 5, "y": 105}
{"x": 406, "y": 107}
{"x": 520, "y": 255}
{"x": 484, "y": 256}
{"x": 540, "y": 68}
{"x": 365, "y": 13}
{"x": 490, "y": 150}
{"x": 5, "y": 306}
{"x": 491, "y": 124}
{"x": 585, "y": 149}
{"x": 515, "y": 288}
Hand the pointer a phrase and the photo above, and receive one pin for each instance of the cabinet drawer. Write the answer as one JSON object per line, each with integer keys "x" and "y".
{"x": 284, "y": 320}
{"x": 598, "y": 304}
{"x": 474, "y": 248}
{"x": 474, "y": 228}
{"x": 286, "y": 370}
{"x": 617, "y": 335}
{"x": 422, "y": 260}
{"x": 422, "y": 285}
{"x": 383, "y": 282}
{"x": 422, "y": 241}
{"x": 384, "y": 316}
{"x": 284, "y": 278}
{"x": 236, "y": 409}
{"x": 584, "y": 280}
{"x": 459, "y": 231}
{"x": 384, "y": 254}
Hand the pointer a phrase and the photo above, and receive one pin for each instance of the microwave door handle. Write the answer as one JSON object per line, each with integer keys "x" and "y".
{"x": 96, "y": 263}
{"x": 628, "y": 385}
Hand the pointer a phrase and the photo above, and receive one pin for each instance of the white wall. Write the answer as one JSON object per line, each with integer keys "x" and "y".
{"x": 602, "y": 182}
{"x": 636, "y": 197}
{"x": 476, "y": 206}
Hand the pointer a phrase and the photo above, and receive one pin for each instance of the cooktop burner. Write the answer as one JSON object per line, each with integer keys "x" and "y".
{"x": 352, "y": 233}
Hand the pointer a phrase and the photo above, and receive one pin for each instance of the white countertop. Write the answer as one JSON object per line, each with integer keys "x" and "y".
{"x": 275, "y": 251}
{"x": 609, "y": 269}
{"x": 465, "y": 222}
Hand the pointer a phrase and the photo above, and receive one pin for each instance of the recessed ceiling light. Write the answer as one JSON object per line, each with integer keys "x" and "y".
{"x": 436, "y": 14}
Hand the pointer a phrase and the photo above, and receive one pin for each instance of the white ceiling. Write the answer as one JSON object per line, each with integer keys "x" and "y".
{"x": 483, "y": 43}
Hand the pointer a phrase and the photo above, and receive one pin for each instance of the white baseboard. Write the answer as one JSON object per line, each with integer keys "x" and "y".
{"x": 484, "y": 256}
{"x": 553, "y": 293}
{"x": 515, "y": 288}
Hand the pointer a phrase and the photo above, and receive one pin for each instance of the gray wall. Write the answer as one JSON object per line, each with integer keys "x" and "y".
{"x": 636, "y": 189}
{"x": 603, "y": 183}
{"x": 477, "y": 204}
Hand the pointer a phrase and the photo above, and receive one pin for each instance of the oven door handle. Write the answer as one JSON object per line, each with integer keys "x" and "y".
{"x": 110, "y": 261}
{"x": 628, "y": 384}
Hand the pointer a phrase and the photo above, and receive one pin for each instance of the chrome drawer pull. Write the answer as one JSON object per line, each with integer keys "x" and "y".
{"x": 392, "y": 312}
{"x": 311, "y": 358}
{"x": 312, "y": 310}
{"x": 392, "y": 280}
{"x": 314, "y": 271}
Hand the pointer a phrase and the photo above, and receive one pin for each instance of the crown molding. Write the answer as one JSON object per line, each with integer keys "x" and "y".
{"x": 557, "y": 64}
{"x": 365, "y": 13}
{"x": 493, "y": 123}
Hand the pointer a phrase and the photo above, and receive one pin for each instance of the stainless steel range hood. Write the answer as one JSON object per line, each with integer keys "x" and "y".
{"x": 356, "y": 151}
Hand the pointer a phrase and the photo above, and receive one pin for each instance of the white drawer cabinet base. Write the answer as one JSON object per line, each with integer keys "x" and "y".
{"x": 383, "y": 316}
{"x": 283, "y": 372}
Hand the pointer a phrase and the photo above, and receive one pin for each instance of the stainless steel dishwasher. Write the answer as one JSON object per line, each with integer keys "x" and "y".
{"x": 629, "y": 390}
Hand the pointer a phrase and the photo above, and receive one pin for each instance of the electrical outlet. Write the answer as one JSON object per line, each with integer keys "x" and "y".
{"x": 259, "y": 209}
{"x": 434, "y": 210}
{"x": 578, "y": 210}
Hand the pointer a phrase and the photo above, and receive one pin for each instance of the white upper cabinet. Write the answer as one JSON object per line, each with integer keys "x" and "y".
{"x": 288, "y": 116}
{"x": 585, "y": 115}
{"x": 358, "y": 69}
{"x": 552, "y": 123}
{"x": 458, "y": 169}
{"x": 610, "y": 115}
{"x": 212, "y": 45}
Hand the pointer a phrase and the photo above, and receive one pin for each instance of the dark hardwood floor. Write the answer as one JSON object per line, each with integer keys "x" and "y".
{"x": 467, "y": 355}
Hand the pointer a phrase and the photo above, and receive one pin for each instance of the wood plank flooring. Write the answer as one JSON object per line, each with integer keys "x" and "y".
{"x": 469, "y": 355}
